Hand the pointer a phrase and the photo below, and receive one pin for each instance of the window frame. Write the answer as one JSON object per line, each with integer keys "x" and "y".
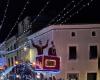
{"x": 70, "y": 53}
{"x": 91, "y": 54}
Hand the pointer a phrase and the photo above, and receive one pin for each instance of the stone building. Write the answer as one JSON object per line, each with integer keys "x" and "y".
{"x": 79, "y": 49}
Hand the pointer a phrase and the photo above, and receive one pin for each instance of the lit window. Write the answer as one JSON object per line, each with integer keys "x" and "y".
{"x": 72, "y": 52}
{"x": 93, "y": 52}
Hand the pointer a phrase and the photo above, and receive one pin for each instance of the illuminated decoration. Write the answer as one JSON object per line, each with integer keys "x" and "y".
{"x": 47, "y": 63}
{"x": 68, "y": 17}
{"x": 33, "y": 64}
{"x": 2, "y": 22}
{"x": 50, "y": 63}
{"x": 45, "y": 6}
{"x": 17, "y": 20}
{"x": 25, "y": 48}
{"x": 16, "y": 62}
{"x": 1, "y": 67}
{"x": 65, "y": 13}
{"x": 74, "y": 6}
{"x": 76, "y": 12}
{"x": 61, "y": 12}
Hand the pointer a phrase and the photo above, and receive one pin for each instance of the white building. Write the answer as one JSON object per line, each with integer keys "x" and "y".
{"x": 79, "y": 49}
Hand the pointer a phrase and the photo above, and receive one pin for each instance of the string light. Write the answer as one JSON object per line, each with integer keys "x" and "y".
{"x": 17, "y": 20}
{"x": 66, "y": 19}
{"x": 47, "y": 3}
{"x": 33, "y": 20}
{"x": 83, "y": 6}
{"x": 74, "y": 6}
{"x": 14, "y": 27}
{"x": 67, "y": 6}
{"x": 2, "y": 22}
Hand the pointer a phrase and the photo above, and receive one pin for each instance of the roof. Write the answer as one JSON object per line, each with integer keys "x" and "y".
{"x": 74, "y": 26}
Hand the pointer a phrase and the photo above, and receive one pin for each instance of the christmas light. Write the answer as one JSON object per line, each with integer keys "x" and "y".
{"x": 67, "y": 6}
{"x": 68, "y": 18}
{"x": 2, "y": 22}
{"x": 74, "y": 6}
{"x": 83, "y": 6}
{"x": 17, "y": 20}
{"x": 40, "y": 12}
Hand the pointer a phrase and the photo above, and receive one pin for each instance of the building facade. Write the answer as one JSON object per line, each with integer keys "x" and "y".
{"x": 11, "y": 56}
{"x": 79, "y": 49}
{"x": 14, "y": 46}
{"x": 3, "y": 60}
{"x": 23, "y": 32}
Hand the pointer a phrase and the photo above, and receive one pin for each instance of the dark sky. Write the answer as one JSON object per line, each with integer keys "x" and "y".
{"x": 89, "y": 14}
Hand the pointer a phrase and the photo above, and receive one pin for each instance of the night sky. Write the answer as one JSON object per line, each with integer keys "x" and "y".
{"x": 88, "y": 14}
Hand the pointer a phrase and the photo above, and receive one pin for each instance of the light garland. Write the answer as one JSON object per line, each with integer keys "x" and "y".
{"x": 41, "y": 11}
{"x": 76, "y": 12}
{"x": 83, "y": 6}
{"x": 2, "y": 22}
{"x": 15, "y": 23}
{"x": 74, "y": 6}
{"x": 47, "y": 3}
{"x": 17, "y": 20}
{"x": 61, "y": 12}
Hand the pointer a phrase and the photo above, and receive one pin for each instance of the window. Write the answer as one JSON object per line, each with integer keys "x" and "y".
{"x": 8, "y": 49}
{"x": 73, "y": 76}
{"x": 91, "y": 76}
{"x": 93, "y": 33}
{"x": 72, "y": 52}
{"x": 73, "y": 34}
{"x": 93, "y": 52}
{"x": 14, "y": 46}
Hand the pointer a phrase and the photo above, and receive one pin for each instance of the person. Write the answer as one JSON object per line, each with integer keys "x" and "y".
{"x": 50, "y": 78}
{"x": 54, "y": 78}
{"x": 52, "y": 50}
{"x": 40, "y": 47}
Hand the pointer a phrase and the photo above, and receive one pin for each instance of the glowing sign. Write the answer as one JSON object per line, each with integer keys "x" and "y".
{"x": 48, "y": 63}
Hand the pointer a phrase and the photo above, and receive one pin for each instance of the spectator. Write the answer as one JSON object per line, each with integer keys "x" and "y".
{"x": 50, "y": 78}
{"x": 53, "y": 78}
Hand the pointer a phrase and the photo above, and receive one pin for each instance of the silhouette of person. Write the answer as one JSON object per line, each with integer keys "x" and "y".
{"x": 52, "y": 50}
{"x": 40, "y": 47}
{"x": 54, "y": 78}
